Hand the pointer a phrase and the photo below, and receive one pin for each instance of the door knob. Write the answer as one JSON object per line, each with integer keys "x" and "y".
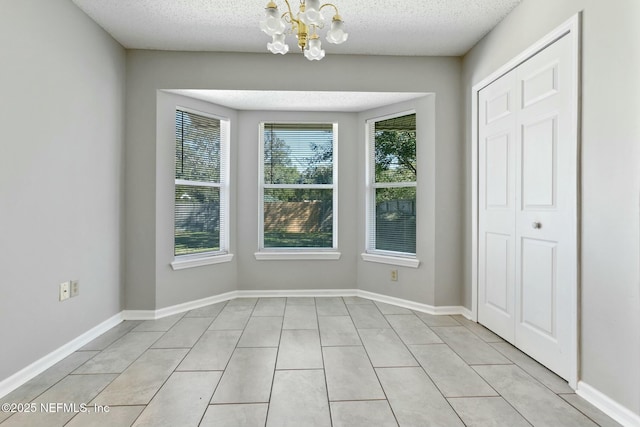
{"x": 536, "y": 225}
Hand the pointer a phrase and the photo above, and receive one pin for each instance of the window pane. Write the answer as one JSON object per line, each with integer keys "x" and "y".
{"x": 395, "y": 149}
{"x": 396, "y": 219}
{"x": 298, "y": 218}
{"x": 298, "y": 153}
{"x": 197, "y": 219}
{"x": 197, "y": 147}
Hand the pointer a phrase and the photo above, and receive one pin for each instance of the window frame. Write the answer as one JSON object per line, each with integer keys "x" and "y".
{"x": 297, "y": 253}
{"x": 405, "y": 259}
{"x": 222, "y": 254}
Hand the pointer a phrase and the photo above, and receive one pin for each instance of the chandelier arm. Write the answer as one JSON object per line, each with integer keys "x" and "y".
{"x": 329, "y": 5}
{"x": 291, "y": 13}
{"x": 287, "y": 17}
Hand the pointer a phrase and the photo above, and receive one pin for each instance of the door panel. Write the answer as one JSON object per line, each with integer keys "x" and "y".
{"x": 527, "y": 206}
{"x": 498, "y": 107}
{"x": 496, "y": 268}
{"x": 498, "y": 272}
{"x": 538, "y": 282}
{"x": 539, "y": 163}
{"x": 497, "y": 171}
{"x": 546, "y": 224}
{"x": 541, "y": 83}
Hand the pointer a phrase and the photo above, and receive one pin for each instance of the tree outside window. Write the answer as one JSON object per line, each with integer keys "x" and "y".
{"x": 298, "y": 188}
{"x": 392, "y": 185}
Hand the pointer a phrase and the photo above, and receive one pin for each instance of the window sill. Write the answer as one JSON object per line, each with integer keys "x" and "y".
{"x": 393, "y": 260}
{"x": 190, "y": 262}
{"x": 292, "y": 255}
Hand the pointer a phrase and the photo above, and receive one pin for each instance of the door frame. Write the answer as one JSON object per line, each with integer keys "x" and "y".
{"x": 570, "y": 28}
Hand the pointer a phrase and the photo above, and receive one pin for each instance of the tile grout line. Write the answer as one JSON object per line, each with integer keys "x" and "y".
{"x": 471, "y": 366}
{"x": 235, "y": 347}
{"x": 386, "y": 398}
{"x": 546, "y": 388}
{"x": 275, "y": 362}
{"x": 579, "y": 410}
{"x": 128, "y": 366}
{"x": 513, "y": 362}
{"x": 186, "y": 355}
{"x": 424, "y": 370}
{"x": 159, "y": 388}
{"x": 431, "y": 379}
{"x": 324, "y": 370}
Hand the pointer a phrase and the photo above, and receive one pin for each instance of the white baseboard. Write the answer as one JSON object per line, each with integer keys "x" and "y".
{"x": 178, "y": 308}
{"x": 411, "y": 305}
{"x": 299, "y": 293}
{"x": 19, "y": 378}
{"x": 607, "y": 405}
{"x": 139, "y": 314}
{"x": 191, "y": 305}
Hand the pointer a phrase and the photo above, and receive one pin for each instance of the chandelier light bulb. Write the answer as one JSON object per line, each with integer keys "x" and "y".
{"x": 314, "y": 51}
{"x": 278, "y": 45}
{"x": 336, "y": 34}
{"x": 272, "y": 23}
{"x": 312, "y": 14}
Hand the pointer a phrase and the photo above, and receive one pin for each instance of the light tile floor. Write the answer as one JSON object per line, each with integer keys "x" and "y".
{"x": 300, "y": 362}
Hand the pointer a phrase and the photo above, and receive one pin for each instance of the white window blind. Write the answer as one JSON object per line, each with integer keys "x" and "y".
{"x": 392, "y": 169}
{"x": 200, "y": 184}
{"x": 298, "y": 186}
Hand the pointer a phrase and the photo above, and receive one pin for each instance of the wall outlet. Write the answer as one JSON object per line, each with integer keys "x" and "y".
{"x": 64, "y": 290}
{"x": 394, "y": 275}
{"x": 75, "y": 288}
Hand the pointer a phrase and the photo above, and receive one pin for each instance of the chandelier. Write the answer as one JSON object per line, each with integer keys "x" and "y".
{"x": 304, "y": 24}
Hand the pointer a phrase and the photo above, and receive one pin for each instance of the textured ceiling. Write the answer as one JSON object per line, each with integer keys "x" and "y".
{"x": 376, "y": 27}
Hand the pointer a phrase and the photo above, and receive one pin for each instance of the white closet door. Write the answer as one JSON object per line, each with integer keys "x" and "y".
{"x": 547, "y": 203}
{"x": 528, "y": 201}
{"x": 497, "y": 205}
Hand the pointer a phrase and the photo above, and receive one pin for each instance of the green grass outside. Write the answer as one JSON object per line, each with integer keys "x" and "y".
{"x": 187, "y": 243}
{"x": 298, "y": 240}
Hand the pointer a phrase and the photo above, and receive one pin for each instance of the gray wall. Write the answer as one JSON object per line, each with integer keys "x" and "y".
{"x": 437, "y": 280}
{"x": 610, "y": 161}
{"x": 192, "y": 283}
{"x": 414, "y": 284}
{"x": 151, "y": 284}
{"x": 61, "y": 176}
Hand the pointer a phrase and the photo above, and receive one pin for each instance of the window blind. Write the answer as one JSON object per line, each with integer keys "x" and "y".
{"x": 392, "y": 185}
{"x": 197, "y": 147}
{"x": 199, "y": 212}
{"x": 298, "y": 185}
{"x": 298, "y": 153}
